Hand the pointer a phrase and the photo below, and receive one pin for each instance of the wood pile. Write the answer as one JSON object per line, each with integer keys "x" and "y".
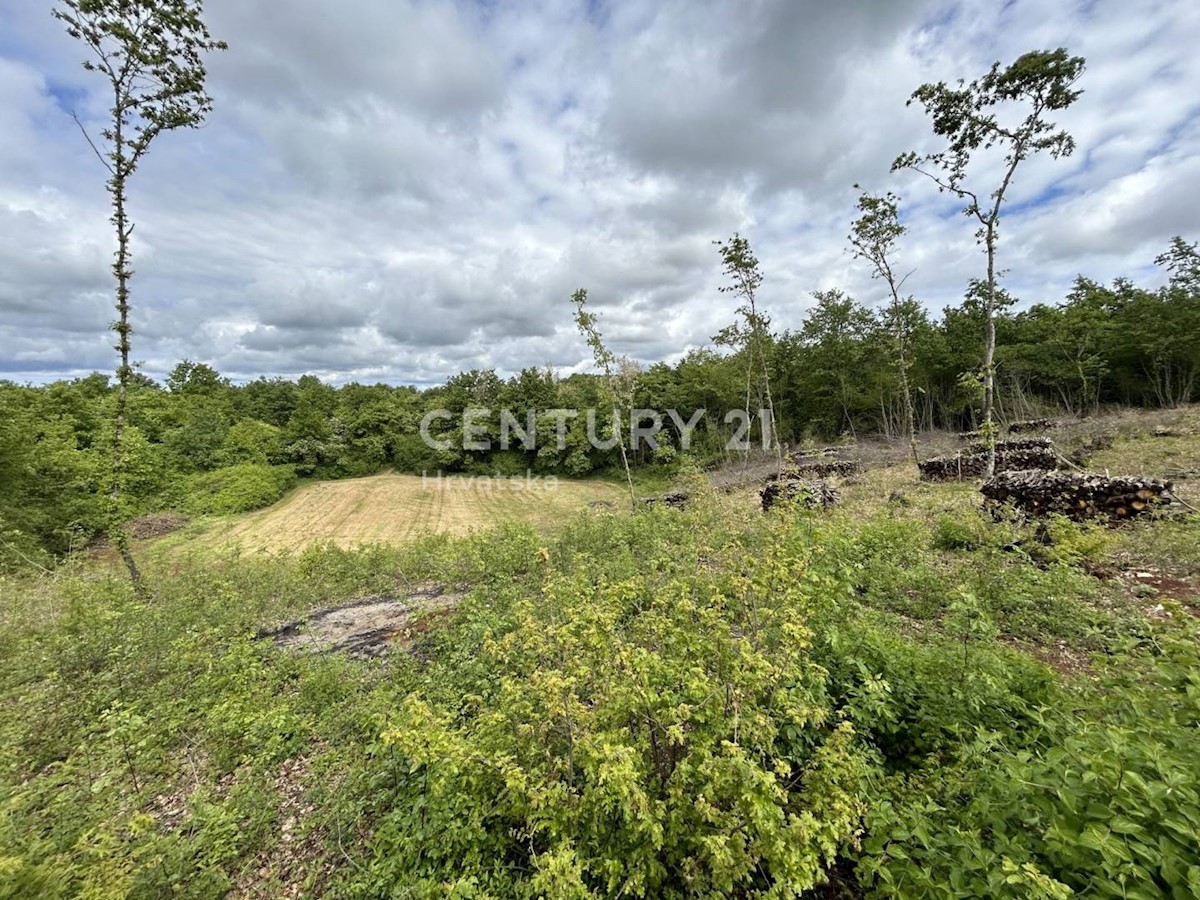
{"x": 800, "y": 456}
{"x": 812, "y": 493}
{"x": 1019, "y": 445}
{"x": 675, "y": 500}
{"x": 1031, "y": 425}
{"x": 823, "y": 468}
{"x": 973, "y": 462}
{"x": 1077, "y": 495}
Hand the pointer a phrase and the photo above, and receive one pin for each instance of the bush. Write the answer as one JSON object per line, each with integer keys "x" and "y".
{"x": 646, "y": 736}
{"x": 953, "y": 533}
{"x": 236, "y": 489}
{"x": 1100, "y": 806}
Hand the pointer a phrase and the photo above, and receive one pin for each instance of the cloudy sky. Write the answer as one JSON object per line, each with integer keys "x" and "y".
{"x": 395, "y": 190}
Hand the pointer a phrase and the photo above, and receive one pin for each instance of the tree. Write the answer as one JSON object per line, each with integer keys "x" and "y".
{"x": 620, "y": 375}
{"x": 968, "y": 117}
{"x": 150, "y": 52}
{"x": 753, "y": 334}
{"x": 1170, "y": 326}
{"x": 836, "y": 334}
{"x": 195, "y": 378}
{"x": 873, "y": 237}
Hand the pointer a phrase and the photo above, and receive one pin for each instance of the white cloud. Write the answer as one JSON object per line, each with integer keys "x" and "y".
{"x": 400, "y": 190}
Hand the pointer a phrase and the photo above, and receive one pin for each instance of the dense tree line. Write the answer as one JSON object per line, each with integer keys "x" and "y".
{"x": 203, "y": 444}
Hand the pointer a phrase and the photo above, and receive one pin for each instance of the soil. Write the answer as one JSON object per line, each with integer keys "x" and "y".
{"x": 155, "y": 525}
{"x": 368, "y": 627}
{"x": 296, "y": 865}
{"x": 1154, "y": 586}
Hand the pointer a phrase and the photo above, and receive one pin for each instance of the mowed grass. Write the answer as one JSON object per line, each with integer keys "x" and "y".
{"x": 393, "y": 509}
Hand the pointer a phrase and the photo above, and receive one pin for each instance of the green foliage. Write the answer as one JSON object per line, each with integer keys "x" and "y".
{"x": 236, "y": 489}
{"x": 652, "y": 735}
{"x": 1103, "y": 804}
{"x": 957, "y": 533}
{"x": 1075, "y": 543}
{"x": 672, "y": 704}
{"x": 835, "y": 375}
{"x": 251, "y": 441}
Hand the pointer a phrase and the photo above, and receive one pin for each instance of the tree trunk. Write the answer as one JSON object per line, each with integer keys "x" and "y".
{"x": 902, "y": 365}
{"x": 989, "y": 353}
{"x": 116, "y": 528}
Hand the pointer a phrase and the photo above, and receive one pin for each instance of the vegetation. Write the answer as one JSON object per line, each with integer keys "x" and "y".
{"x": 748, "y": 337}
{"x": 618, "y": 382}
{"x": 1118, "y": 344}
{"x": 897, "y": 697}
{"x": 971, "y": 117}
{"x": 873, "y": 237}
{"x": 700, "y": 703}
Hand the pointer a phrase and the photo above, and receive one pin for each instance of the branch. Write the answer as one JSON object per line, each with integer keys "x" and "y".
{"x": 88, "y": 138}
{"x": 946, "y": 186}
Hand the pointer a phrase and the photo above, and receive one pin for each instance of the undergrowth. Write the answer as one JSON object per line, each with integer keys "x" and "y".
{"x": 707, "y": 703}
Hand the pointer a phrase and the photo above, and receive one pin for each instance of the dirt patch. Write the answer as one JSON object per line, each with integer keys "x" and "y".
{"x": 367, "y": 627}
{"x": 1058, "y": 655}
{"x": 296, "y": 865}
{"x": 155, "y": 525}
{"x": 143, "y": 528}
{"x": 1152, "y": 587}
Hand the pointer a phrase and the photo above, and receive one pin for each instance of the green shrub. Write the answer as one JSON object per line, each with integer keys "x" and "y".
{"x": 1105, "y": 804}
{"x": 1076, "y": 543}
{"x": 645, "y": 736}
{"x": 236, "y": 489}
{"x": 956, "y": 533}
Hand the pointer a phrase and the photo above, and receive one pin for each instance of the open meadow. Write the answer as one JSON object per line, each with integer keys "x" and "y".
{"x": 393, "y": 508}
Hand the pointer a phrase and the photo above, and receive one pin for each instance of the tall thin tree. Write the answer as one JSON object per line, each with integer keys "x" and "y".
{"x": 151, "y": 56}
{"x": 873, "y": 237}
{"x": 969, "y": 117}
{"x": 619, "y": 375}
{"x": 752, "y": 335}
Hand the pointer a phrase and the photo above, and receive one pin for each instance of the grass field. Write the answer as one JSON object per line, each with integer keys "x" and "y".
{"x": 392, "y": 508}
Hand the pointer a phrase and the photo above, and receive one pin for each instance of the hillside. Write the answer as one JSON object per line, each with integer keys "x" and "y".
{"x": 897, "y": 697}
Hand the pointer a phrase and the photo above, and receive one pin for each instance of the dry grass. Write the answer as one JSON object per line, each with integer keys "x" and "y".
{"x": 393, "y": 509}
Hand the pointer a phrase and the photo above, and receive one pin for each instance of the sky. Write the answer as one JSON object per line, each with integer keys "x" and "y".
{"x": 399, "y": 190}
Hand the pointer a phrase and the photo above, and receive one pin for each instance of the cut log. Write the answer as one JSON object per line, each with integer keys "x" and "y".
{"x": 1076, "y": 495}
{"x": 1011, "y": 456}
{"x": 823, "y": 468}
{"x": 803, "y": 456}
{"x": 812, "y": 493}
{"x": 1031, "y": 425}
{"x": 1035, "y": 443}
{"x": 675, "y": 500}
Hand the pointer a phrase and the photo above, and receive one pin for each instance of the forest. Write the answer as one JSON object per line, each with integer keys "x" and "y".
{"x": 203, "y": 445}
